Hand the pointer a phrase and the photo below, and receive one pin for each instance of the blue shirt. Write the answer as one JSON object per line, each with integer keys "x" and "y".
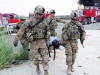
{"x": 52, "y": 38}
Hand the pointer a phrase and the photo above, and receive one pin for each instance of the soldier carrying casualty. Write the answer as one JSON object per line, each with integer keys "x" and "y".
{"x": 70, "y": 35}
{"x": 38, "y": 29}
{"x": 52, "y": 23}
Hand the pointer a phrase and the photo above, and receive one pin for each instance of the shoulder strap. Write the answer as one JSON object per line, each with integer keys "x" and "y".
{"x": 50, "y": 21}
{"x": 37, "y": 23}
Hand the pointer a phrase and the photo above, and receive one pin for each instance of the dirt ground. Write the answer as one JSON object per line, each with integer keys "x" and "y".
{"x": 87, "y": 61}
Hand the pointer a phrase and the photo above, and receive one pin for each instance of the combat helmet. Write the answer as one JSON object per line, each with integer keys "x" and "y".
{"x": 39, "y": 9}
{"x": 74, "y": 15}
{"x": 22, "y": 17}
{"x": 52, "y": 11}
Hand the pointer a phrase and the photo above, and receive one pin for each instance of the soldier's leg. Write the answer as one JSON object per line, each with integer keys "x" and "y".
{"x": 51, "y": 49}
{"x": 68, "y": 53}
{"x": 74, "y": 51}
{"x": 44, "y": 55}
{"x": 34, "y": 54}
{"x": 73, "y": 61}
{"x": 36, "y": 63}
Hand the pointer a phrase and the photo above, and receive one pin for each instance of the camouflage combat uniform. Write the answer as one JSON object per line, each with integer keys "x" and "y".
{"x": 70, "y": 36}
{"x": 37, "y": 40}
{"x": 53, "y": 25}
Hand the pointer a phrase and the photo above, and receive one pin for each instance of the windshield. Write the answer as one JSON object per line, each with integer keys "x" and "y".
{"x": 16, "y": 16}
{"x": 4, "y": 15}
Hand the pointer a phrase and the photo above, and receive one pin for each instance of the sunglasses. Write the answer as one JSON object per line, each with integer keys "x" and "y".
{"x": 53, "y": 13}
{"x": 74, "y": 19}
{"x": 40, "y": 14}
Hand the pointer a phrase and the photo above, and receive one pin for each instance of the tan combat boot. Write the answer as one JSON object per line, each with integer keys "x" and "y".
{"x": 72, "y": 68}
{"x": 38, "y": 69}
{"x": 46, "y": 72}
{"x": 69, "y": 70}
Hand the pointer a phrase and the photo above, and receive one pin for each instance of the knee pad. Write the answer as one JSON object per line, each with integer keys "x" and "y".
{"x": 45, "y": 60}
{"x": 69, "y": 57}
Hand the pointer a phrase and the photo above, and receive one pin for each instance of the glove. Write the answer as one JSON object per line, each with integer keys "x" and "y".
{"x": 64, "y": 45}
{"x": 15, "y": 43}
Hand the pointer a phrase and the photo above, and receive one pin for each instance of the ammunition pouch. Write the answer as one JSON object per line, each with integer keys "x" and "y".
{"x": 48, "y": 35}
{"x": 75, "y": 35}
{"x": 30, "y": 37}
{"x": 37, "y": 35}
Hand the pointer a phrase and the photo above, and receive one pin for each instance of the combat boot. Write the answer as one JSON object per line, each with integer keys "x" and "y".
{"x": 69, "y": 70}
{"x": 38, "y": 69}
{"x": 72, "y": 68}
{"x": 46, "y": 72}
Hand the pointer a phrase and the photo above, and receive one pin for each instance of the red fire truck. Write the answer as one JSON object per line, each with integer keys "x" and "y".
{"x": 89, "y": 14}
{"x": 8, "y": 20}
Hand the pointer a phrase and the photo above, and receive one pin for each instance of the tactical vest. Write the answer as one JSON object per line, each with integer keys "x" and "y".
{"x": 37, "y": 32}
{"x": 72, "y": 31}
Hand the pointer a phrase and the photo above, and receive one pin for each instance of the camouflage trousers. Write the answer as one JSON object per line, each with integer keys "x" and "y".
{"x": 38, "y": 47}
{"x": 70, "y": 52}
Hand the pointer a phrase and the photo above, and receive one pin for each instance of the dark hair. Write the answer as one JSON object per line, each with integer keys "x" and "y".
{"x": 56, "y": 44}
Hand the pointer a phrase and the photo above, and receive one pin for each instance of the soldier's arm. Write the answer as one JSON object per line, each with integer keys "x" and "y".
{"x": 21, "y": 31}
{"x": 83, "y": 31}
{"x": 63, "y": 35}
{"x": 60, "y": 20}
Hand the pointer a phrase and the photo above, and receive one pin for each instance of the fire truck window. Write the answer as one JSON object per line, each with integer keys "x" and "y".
{"x": 11, "y": 16}
{"x": 4, "y": 15}
{"x": 16, "y": 16}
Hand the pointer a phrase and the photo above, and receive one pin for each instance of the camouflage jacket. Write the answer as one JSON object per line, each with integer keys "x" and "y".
{"x": 64, "y": 35}
{"x": 52, "y": 22}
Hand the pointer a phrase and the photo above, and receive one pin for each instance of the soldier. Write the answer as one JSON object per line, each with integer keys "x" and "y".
{"x": 70, "y": 35}
{"x": 38, "y": 28}
{"x": 23, "y": 39}
{"x": 52, "y": 22}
